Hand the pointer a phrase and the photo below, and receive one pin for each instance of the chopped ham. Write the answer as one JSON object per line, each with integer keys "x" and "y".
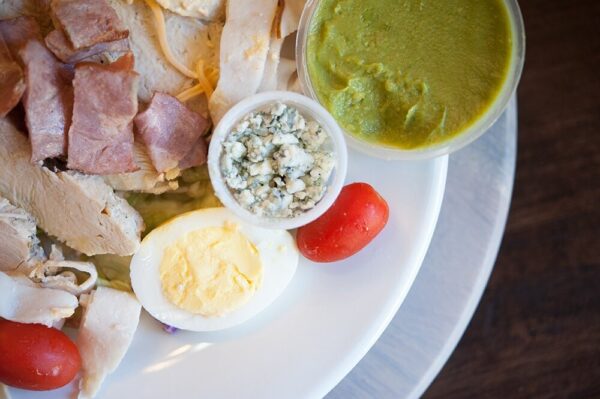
{"x": 101, "y": 136}
{"x": 38, "y": 9}
{"x": 17, "y": 32}
{"x": 196, "y": 156}
{"x": 124, "y": 63}
{"x": 88, "y": 22}
{"x": 171, "y": 131}
{"x": 12, "y": 81}
{"x": 48, "y": 101}
{"x": 62, "y": 48}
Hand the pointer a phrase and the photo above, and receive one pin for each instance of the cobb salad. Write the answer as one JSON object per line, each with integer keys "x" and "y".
{"x": 106, "y": 204}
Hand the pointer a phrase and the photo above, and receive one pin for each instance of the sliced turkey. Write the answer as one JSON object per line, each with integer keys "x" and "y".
{"x": 244, "y": 48}
{"x": 23, "y": 302}
{"x": 203, "y": 9}
{"x": 82, "y": 211}
{"x": 109, "y": 322}
{"x": 171, "y": 131}
{"x": 276, "y": 76}
{"x": 189, "y": 39}
{"x": 19, "y": 245}
{"x": 286, "y": 74}
{"x": 62, "y": 48}
{"x": 12, "y": 81}
{"x": 88, "y": 22}
{"x": 101, "y": 135}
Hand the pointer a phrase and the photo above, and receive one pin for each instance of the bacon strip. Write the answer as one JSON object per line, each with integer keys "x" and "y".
{"x": 88, "y": 22}
{"x": 171, "y": 132}
{"x": 101, "y": 136}
{"x": 48, "y": 101}
{"x": 59, "y": 44}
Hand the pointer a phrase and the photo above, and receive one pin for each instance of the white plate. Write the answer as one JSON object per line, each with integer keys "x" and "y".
{"x": 313, "y": 335}
{"x": 444, "y": 296}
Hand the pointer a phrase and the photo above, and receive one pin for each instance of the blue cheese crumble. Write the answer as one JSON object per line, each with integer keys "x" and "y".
{"x": 276, "y": 163}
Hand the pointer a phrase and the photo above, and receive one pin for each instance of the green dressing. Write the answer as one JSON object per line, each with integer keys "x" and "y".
{"x": 408, "y": 73}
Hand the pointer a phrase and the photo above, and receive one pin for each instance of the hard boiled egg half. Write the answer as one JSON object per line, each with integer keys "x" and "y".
{"x": 208, "y": 270}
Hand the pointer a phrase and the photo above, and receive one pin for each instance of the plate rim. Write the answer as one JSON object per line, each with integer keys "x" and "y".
{"x": 483, "y": 277}
{"x": 397, "y": 352}
{"x": 321, "y": 389}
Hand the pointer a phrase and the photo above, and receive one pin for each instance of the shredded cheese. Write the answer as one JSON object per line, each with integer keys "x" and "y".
{"x": 207, "y": 77}
{"x": 203, "y": 80}
{"x": 204, "y": 85}
{"x": 190, "y": 93}
{"x": 276, "y": 27}
{"x": 212, "y": 75}
{"x": 161, "y": 29}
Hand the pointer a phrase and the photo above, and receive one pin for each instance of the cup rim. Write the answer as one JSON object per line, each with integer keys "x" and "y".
{"x": 310, "y": 110}
{"x": 470, "y": 134}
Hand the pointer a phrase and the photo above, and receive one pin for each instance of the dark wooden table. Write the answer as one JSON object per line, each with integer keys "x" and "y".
{"x": 536, "y": 333}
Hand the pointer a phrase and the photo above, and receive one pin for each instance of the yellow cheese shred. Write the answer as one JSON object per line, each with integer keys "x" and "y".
{"x": 190, "y": 93}
{"x": 161, "y": 29}
{"x": 206, "y": 76}
{"x": 205, "y": 85}
{"x": 213, "y": 76}
{"x": 203, "y": 79}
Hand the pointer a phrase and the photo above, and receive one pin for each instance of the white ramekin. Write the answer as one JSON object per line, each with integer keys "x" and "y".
{"x": 311, "y": 110}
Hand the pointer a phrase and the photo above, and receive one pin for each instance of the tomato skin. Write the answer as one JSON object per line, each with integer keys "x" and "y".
{"x": 35, "y": 357}
{"x": 356, "y": 217}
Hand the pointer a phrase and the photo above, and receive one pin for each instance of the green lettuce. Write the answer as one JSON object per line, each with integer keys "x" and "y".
{"x": 113, "y": 271}
{"x": 195, "y": 192}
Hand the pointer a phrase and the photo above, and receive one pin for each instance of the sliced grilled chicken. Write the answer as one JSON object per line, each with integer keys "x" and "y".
{"x": 19, "y": 245}
{"x": 58, "y": 273}
{"x": 23, "y": 302}
{"x": 109, "y": 322}
{"x": 82, "y": 211}
{"x": 244, "y": 48}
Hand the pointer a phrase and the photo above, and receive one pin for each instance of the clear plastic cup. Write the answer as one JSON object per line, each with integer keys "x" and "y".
{"x": 455, "y": 143}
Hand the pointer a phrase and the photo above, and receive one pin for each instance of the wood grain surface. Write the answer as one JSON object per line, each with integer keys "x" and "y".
{"x": 536, "y": 333}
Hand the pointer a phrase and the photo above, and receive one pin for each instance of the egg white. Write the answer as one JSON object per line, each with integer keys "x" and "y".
{"x": 278, "y": 253}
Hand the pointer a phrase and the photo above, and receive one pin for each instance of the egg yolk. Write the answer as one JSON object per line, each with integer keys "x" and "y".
{"x": 211, "y": 271}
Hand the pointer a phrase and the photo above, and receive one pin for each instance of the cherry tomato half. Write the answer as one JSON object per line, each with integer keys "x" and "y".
{"x": 35, "y": 357}
{"x": 352, "y": 222}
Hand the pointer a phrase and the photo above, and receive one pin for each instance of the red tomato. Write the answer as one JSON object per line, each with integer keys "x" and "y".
{"x": 353, "y": 221}
{"x": 35, "y": 357}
